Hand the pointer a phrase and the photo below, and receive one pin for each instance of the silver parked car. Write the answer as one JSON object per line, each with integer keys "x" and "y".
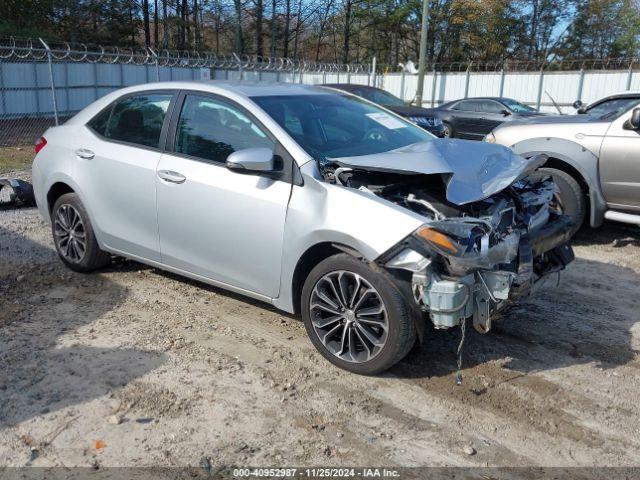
{"x": 316, "y": 201}
{"x": 594, "y": 157}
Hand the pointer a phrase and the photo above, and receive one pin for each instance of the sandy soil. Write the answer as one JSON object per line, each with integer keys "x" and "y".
{"x": 133, "y": 366}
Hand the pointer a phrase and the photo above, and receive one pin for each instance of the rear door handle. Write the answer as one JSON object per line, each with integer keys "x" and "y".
{"x": 171, "y": 176}
{"x": 85, "y": 153}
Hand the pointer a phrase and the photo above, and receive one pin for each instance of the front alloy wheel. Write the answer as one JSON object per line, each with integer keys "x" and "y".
{"x": 349, "y": 316}
{"x": 356, "y": 315}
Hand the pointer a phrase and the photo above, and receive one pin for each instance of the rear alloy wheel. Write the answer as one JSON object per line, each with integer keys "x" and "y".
{"x": 355, "y": 316}
{"x": 69, "y": 234}
{"x": 73, "y": 235}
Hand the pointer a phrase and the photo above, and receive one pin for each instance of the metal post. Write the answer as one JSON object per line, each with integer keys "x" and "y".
{"x": 630, "y": 75}
{"x": 540, "y": 86}
{"x": 433, "y": 87}
{"x": 466, "y": 81}
{"x": 580, "y": 84}
{"x": 373, "y": 73}
{"x": 501, "y": 82}
{"x": 53, "y": 87}
{"x": 155, "y": 57}
{"x": 402, "y": 80}
{"x": 423, "y": 51}
{"x": 239, "y": 64}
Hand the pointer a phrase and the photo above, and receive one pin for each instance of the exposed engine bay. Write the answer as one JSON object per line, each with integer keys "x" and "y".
{"x": 472, "y": 259}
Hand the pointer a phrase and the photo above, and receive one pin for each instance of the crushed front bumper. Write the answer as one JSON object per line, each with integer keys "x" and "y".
{"x": 480, "y": 292}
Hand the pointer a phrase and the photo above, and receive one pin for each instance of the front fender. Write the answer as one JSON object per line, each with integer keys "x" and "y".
{"x": 319, "y": 212}
{"x": 578, "y": 157}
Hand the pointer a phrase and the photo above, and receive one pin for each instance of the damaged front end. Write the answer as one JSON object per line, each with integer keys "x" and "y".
{"x": 469, "y": 260}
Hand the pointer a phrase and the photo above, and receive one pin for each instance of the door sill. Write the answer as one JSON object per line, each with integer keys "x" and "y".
{"x": 194, "y": 276}
{"x": 630, "y": 218}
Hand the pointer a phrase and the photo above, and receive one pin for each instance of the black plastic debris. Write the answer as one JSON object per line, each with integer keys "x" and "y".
{"x": 21, "y": 192}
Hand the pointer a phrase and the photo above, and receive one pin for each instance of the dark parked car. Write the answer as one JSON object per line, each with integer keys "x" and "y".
{"x": 420, "y": 116}
{"x": 473, "y": 118}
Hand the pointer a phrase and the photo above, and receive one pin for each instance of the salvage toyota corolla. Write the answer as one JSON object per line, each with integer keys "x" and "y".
{"x": 315, "y": 201}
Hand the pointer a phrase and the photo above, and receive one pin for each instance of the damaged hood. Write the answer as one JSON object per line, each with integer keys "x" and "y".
{"x": 471, "y": 170}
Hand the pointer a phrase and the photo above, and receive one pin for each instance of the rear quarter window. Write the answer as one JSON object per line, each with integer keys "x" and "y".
{"x": 135, "y": 119}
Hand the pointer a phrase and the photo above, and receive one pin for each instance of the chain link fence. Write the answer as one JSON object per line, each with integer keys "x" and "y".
{"x": 44, "y": 83}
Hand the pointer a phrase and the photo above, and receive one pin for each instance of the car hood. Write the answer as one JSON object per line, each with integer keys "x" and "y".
{"x": 471, "y": 170}
{"x": 409, "y": 110}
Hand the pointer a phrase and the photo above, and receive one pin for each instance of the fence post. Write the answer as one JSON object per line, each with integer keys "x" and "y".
{"x": 540, "y": 86}
{"x": 466, "y": 80}
{"x": 630, "y": 75}
{"x": 373, "y": 73}
{"x": 155, "y": 57}
{"x": 53, "y": 85}
{"x": 239, "y": 65}
{"x": 433, "y": 87}
{"x": 580, "y": 84}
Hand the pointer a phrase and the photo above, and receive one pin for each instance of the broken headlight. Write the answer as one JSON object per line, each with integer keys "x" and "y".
{"x": 454, "y": 238}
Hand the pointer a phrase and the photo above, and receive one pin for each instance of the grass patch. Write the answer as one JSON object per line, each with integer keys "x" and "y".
{"x": 16, "y": 158}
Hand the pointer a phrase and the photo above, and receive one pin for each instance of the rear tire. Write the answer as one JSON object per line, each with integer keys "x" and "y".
{"x": 73, "y": 235}
{"x": 371, "y": 327}
{"x": 570, "y": 198}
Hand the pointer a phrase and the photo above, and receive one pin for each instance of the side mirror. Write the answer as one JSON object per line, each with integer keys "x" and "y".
{"x": 505, "y": 112}
{"x": 577, "y": 104}
{"x": 634, "y": 122}
{"x": 251, "y": 161}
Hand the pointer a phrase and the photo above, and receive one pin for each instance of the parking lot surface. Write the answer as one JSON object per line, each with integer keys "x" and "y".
{"x": 134, "y": 366}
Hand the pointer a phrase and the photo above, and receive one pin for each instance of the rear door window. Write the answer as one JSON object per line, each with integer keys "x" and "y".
{"x": 489, "y": 106}
{"x": 136, "y": 119}
{"x": 465, "y": 106}
{"x": 212, "y": 129}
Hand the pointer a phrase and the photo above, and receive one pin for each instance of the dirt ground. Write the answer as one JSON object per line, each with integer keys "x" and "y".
{"x": 135, "y": 367}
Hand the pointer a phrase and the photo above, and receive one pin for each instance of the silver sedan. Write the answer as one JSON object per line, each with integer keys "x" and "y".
{"x": 315, "y": 201}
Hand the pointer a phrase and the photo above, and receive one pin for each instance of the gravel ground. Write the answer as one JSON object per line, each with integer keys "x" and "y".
{"x": 135, "y": 367}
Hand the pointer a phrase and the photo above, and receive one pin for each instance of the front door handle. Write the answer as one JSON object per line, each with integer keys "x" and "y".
{"x": 85, "y": 153}
{"x": 171, "y": 176}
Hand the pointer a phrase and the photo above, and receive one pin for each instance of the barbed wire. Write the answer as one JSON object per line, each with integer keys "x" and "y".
{"x": 34, "y": 49}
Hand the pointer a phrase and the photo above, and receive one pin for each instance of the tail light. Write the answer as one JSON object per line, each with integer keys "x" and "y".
{"x": 40, "y": 143}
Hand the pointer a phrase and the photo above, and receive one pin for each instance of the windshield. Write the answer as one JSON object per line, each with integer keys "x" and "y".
{"x": 517, "y": 106}
{"x": 334, "y": 125}
{"x": 612, "y": 109}
{"x": 378, "y": 96}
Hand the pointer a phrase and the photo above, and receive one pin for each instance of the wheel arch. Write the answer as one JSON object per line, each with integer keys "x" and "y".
{"x": 56, "y": 191}
{"x": 309, "y": 259}
{"x": 574, "y": 159}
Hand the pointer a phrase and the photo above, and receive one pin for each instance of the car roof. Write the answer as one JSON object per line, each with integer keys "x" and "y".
{"x": 241, "y": 87}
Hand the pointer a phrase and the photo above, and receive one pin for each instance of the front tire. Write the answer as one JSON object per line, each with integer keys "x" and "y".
{"x": 73, "y": 236}
{"x": 355, "y": 316}
{"x": 448, "y": 130}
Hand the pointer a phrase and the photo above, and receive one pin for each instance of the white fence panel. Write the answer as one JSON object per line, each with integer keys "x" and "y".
{"x": 600, "y": 84}
{"x": 484, "y": 85}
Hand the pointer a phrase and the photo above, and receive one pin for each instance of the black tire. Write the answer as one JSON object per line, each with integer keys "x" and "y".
{"x": 448, "y": 130}
{"x": 570, "y": 199}
{"x": 92, "y": 257}
{"x": 400, "y": 332}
